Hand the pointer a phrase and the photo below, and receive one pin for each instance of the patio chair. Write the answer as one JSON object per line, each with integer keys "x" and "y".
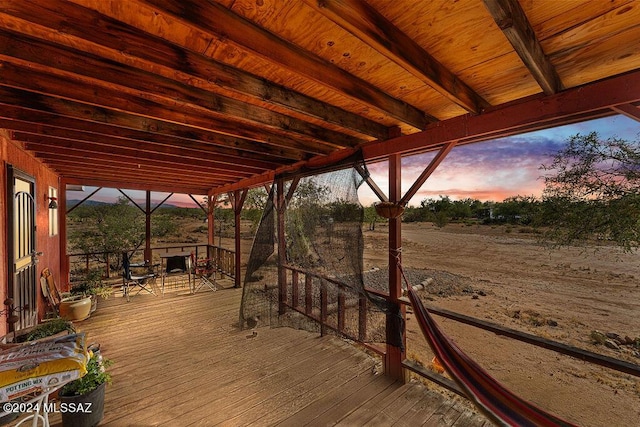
{"x": 131, "y": 281}
{"x": 204, "y": 274}
{"x": 63, "y": 304}
{"x": 51, "y": 292}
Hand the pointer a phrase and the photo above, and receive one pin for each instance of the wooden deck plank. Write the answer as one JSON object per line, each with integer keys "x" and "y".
{"x": 306, "y": 393}
{"x": 182, "y": 380}
{"x": 227, "y": 388}
{"x": 446, "y": 415}
{"x": 472, "y": 419}
{"x": 181, "y": 360}
{"x": 367, "y": 412}
{"x": 391, "y": 413}
{"x": 232, "y": 399}
{"x": 381, "y": 386}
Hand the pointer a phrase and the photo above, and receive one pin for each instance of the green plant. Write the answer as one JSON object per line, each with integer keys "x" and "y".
{"x": 49, "y": 328}
{"x": 96, "y": 375}
{"x": 91, "y": 284}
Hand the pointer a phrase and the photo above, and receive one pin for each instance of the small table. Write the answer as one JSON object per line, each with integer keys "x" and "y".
{"x": 176, "y": 262}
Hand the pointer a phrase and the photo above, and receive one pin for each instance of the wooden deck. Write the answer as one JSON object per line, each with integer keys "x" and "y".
{"x": 179, "y": 360}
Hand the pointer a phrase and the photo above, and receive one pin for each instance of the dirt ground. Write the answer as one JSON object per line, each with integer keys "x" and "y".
{"x": 503, "y": 275}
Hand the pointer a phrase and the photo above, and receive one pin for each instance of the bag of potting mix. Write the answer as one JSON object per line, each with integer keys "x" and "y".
{"x": 32, "y": 368}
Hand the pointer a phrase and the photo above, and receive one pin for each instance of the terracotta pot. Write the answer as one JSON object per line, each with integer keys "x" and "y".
{"x": 75, "y": 308}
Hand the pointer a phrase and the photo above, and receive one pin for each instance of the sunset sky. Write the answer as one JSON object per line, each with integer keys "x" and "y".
{"x": 497, "y": 169}
{"x": 491, "y": 170}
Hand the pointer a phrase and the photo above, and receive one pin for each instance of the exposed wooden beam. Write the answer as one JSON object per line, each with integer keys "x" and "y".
{"x": 426, "y": 173}
{"x": 78, "y": 170}
{"x": 65, "y": 138}
{"x": 629, "y": 110}
{"x": 77, "y": 167}
{"x": 581, "y": 103}
{"x": 513, "y": 22}
{"x": 217, "y": 20}
{"x": 39, "y": 81}
{"x": 157, "y": 55}
{"x": 23, "y": 119}
{"x": 152, "y": 186}
{"x": 102, "y": 160}
{"x": 21, "y": 50}
{"x": 538, "y": 112}
{"x": 34, "y": 101}
{"x": 371, "y": 27}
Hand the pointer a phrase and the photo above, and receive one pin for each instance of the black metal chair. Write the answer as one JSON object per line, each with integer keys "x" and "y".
{"x": 143, "y": 282}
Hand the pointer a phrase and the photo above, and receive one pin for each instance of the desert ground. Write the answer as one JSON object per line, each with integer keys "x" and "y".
{"x": 504, "y": 275}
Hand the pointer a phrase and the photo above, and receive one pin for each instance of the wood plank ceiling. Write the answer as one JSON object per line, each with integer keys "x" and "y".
{"x": 202, "y": 96}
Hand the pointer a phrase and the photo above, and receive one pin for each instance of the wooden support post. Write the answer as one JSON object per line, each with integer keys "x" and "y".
{"x": 211, "y": 229}
{"x": 238, "y": 202}
{"x": 147, "y": 230}
{"x": 396, "y": 338}
{"x": 282, "y": 273}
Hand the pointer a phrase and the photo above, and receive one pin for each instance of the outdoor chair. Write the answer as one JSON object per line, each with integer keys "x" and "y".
{"x": 63, "y": 304}
{"x": 204, "y": 274}
{"x": 51, "y": 292}
{"x": 131, "y": 281}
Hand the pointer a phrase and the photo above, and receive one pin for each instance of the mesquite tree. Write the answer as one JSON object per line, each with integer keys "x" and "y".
{"x": 592, "y": 191}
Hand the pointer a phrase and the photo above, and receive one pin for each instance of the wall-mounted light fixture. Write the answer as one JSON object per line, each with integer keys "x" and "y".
{"x": 53, "y": 202}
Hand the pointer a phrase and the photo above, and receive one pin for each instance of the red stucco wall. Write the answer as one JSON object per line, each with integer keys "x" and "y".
{"x": 12, "y": 154}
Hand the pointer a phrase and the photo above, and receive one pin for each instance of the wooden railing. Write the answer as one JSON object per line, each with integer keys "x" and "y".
{"x": 224, "y": 258}
{"x": 303, "y": 286}
{"x": 318, "y": 297}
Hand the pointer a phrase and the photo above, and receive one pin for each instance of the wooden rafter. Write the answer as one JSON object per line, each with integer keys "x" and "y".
{"x": 213, "y": 95}
{"x": 587, "y": 102}
{"x": 583, "y": 103}
{"x": 73, "y": 140}
{"x": 96, "y": 94}
{"x": 513, "y": 22}
{"x": 28, "y": 120}
{"x": 177, "y": 63}
{"x": 222, "y": 23}
{"x": 375, "y": 30}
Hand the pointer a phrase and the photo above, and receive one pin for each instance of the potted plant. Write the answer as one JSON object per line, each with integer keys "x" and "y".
{"x": 86, "y": 394}
{"x": 48, "y": 328}
{"x": 91, "y": 285}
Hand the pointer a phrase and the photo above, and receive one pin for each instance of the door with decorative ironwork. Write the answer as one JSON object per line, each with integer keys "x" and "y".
{"x": 22, "y": 248}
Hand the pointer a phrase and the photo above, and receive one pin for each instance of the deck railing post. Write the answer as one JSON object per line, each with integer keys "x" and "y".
{"x": 341, "y": 309}
{"x": 308, "y": 294}
{"x": 323, "y": 307}
{"x": 362, "y": 318}
{"x": 294, "y": 288}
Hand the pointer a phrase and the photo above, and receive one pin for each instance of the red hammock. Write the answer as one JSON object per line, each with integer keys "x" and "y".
{"x": 501, "y": 405}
